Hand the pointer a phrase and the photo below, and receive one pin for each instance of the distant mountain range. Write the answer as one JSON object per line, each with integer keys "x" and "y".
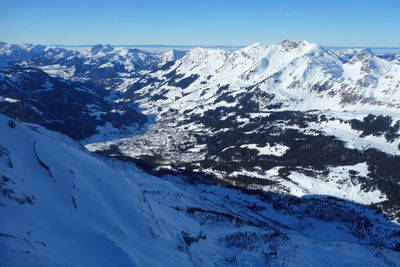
{"x": 210, "y": 46}
{"x": 283, "y": 154}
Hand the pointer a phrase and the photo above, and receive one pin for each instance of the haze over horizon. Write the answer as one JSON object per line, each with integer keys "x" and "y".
{"x": 206, "y": 23}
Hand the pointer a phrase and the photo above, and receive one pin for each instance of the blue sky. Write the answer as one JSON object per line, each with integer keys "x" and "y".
{"x": 219, "y": 22}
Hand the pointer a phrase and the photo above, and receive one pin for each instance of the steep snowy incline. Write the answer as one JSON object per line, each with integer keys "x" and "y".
{"x": 61, "y": 206}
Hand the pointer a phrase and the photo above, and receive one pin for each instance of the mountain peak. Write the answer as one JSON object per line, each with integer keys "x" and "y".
{"x": 108, "y": 48}
{"x": 257, "y": 44}
{"x": 173, "y": 54}
{"x": 99, "y": 47}
{"x": 289, "y": 44}
{"x": 96, "y": 48}
{"x": 366, "y": 52}
{"x": 254, "y": 48}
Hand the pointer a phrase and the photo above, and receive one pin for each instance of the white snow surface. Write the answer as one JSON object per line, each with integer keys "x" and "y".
{"x": 343, "y": 131}
{"x": 276, "y": 150}
{"x": 337, "y": 184}
{"x": 70, "y": 208}
{"x": 301, "y": 75}
{"x": 106, "y": 227}
{"x": 91, "y": 212}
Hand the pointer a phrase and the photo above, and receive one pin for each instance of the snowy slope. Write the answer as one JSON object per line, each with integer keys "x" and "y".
{"x": 294, "y": 107}
{"x": 76, "y": 210}
{"x": 320, "y": 182}
{"x": 300, "y": 76}
{"x": 77, "y": 109}
{"x": 61, "y": 206}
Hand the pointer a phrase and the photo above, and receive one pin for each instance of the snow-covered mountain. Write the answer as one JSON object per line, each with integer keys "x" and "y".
{"x": 102, "y": 64}
{"x": 15, "y": 53}
{"x": 171, "y": 56}
{"x": 61, "y": 205}
{"x": 267, "y": 155}
{"x": 300, "y": 76}
{"x": 291, "y": 118}
{"x": 78, "y": 109}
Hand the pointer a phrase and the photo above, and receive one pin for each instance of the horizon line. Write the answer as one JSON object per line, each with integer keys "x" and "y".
{"x": 194, "y": 46}
{"x": 145, "y": 45}
{"x": 216, "y": 46}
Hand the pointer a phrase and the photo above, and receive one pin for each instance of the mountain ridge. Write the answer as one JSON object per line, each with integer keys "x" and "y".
{"x": 262, "y": 155}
